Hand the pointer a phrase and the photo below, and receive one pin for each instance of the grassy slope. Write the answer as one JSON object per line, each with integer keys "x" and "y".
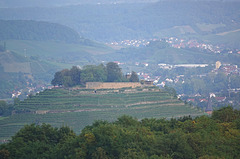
{"x": 79, "y": 108}
{"x": 166, "y": 55}
{"x": 181, "y": 56}
{"x": 53, "y": 48}
{"x": 43, "y": 58}
{"x": 40, "y": 53}
{"x": 13, "y": 62}
{"x": 231, "y": 38}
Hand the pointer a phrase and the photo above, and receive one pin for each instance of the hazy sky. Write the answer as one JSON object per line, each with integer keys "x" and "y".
{"x": 47, "y": 3}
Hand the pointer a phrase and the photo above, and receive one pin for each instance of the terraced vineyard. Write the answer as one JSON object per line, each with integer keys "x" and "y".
{"x": 78, "y": 108}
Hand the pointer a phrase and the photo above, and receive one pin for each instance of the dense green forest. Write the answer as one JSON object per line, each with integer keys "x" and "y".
{"x": 33, "y": 30}
{"x": 91, "y": 73}
{"x": 203, "y": 137}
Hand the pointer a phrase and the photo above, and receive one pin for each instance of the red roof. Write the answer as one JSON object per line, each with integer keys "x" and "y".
{"x": 191, "y": 100}
{"x": 203, "y": 100}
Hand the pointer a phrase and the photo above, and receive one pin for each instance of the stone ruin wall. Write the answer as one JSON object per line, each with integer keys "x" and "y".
{"x": 111, "y": 85}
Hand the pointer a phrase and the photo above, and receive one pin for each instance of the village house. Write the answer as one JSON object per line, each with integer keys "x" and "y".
{"x": 190, "y": 100}
{"x": 220, "y": 99}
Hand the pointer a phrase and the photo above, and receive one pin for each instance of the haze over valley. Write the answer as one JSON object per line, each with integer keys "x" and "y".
{"x": 183, "y": 56}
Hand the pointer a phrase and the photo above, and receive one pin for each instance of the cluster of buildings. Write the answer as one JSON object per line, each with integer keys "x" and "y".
{"x": 160, "y": 81}
{"x": 23, "y": 93}
{"x": 181, "y": 43}
{"x": 16, "y": 94}
{"x": 176, "y": 43}
{"x": 168, "y": 66}
{"x": 134, "y": 43}
{"x": 227, "y": 69}
{"x": 231, "y": 69}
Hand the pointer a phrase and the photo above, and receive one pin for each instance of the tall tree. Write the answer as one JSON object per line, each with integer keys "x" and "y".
{"x": 67, "y": 81}
{"x": 93, "y": 73}
{"x": 75, "y": 74}
{"x": 134, "y": 77}
{"x": 114, "y": 72}
{"x": 58, "y": 79}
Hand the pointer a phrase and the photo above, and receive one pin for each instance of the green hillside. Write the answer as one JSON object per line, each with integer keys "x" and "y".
{"x": 48, "y": 40}
{"x": 32, "y": 51}
{"x": 41, "y": 59}
{"x": 230, "y": 38}
{"x": 78, "y": 108}
{"x": 57, "y": 50}
{"x": 155, "y": 54}
{"x": 35, "y": 30}
{"x": 18, "y": 72}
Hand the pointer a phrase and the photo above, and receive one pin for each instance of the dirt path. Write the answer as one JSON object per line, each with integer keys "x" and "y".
{"x": 150, "y": 102}
{"x": 225, "y": 33}
{"x": 162, "y": 102}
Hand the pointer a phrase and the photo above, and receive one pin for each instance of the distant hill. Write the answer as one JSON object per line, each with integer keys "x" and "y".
{"x": 80, "y": 107}
{"x": 154, "y": 54}
{"x": 31, "y": 52}
{"x": 228, "y": 38}
{"x": 58, "y": 50}
{"x": 39, "y": 31}
{"x": 41, "y": 59}
{"x": 109, "y": 22}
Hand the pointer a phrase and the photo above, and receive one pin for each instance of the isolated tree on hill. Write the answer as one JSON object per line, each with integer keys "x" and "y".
{"x": 67, "y": 81}
{"x": 75, "y": 74}
{"x": 171, "y": 91}
{"x": 58, "y": 79}
{"x": 114, "y": 72}
{"x": 93, "y": 73}
{"x": 134, "y": 77}
{"x": 67, "y": 78}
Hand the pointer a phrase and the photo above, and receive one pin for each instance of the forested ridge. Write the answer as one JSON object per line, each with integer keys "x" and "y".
{"x": 35, "y": 30}
{"x": 203, "y": 137}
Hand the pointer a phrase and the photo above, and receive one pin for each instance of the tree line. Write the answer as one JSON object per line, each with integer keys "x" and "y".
{"x": 216, "y": 136}
{"x": 92, "y": 73}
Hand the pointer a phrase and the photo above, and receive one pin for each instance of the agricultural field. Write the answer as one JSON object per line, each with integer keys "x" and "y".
{"x": 81, "y": 107}
{"x": 209, "y": 27}
{"x": 54, "y": 48}
{"x": 230, "y": 38}
{"x": 175, "y": 31}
